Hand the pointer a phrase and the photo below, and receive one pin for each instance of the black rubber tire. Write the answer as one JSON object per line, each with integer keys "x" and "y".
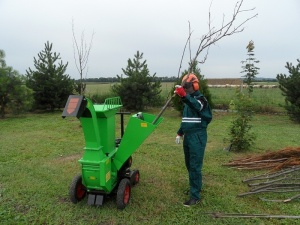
{"x": 123, "y": 193}
{"x": 135, "y": 177}
{"x": 77, "y": 190}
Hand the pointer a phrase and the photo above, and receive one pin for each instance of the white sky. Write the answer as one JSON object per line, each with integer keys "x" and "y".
{"x": 157, "y": 28}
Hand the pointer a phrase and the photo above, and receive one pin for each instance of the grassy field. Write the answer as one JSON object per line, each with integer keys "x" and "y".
{"x": 39, "y": 157}
{"x": 266, "y": 100}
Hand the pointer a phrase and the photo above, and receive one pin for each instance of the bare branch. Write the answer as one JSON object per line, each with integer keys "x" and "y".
{"x": 187, "y": 41}
{"x": 82, "y": 51}
{"x": 227, "y": 29}
{"x": 190, "y": 41}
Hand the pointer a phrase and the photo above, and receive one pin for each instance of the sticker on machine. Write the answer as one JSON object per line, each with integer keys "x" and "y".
{"x": 107, "y": 176}
{"x": 144, "y": 125}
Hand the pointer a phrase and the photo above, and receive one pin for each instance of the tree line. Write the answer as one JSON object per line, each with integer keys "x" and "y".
{"x": 161, "y": 79}
{"x": 116, "y": 79}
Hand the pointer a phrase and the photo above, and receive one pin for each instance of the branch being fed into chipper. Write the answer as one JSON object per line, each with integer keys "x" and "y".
{"x": 162, "y": 110}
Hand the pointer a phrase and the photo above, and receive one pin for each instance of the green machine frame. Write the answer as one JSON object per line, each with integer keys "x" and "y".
{"x": 105, "y": 164}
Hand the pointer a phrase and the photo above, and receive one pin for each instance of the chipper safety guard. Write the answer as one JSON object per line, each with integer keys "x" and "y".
{"x": 106, "y": 161}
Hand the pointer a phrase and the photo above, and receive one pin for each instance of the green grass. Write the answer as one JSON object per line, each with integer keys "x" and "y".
{"x": 38, "y": 160}
{"x": 266, "y": 100}
{"x": 97, "y": 88}
{"x": 103, "y": 88}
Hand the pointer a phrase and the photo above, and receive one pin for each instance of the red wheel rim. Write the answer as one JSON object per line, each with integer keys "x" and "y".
{"x": 126, "y": 194}
{"x": 80, "y": 191}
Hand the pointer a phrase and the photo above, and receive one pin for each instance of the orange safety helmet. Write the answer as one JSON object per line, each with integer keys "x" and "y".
{"x": 190, "y": 80}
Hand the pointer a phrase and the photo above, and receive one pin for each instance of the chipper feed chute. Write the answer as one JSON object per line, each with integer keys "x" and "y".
{"x": 138, "y": 129}
{"x": 106, "y": 160}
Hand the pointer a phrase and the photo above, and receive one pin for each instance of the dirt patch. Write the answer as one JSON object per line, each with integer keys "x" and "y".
{"x": 69, "y": 158}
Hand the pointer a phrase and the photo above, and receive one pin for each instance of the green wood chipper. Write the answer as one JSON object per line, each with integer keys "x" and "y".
{"x": 106, "y": 161}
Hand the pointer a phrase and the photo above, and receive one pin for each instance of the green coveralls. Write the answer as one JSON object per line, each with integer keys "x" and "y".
{"x": 196, "y": 116}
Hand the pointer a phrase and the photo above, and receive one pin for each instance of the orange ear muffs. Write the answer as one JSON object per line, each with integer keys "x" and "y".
{"x": 190, "y": 80}
{"x": 196, "y": 86}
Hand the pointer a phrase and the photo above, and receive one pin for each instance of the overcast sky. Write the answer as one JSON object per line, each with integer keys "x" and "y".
{"x": 157, "y": 28}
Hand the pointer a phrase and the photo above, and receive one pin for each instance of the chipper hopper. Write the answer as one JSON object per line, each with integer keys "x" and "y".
{"x": 106, "y": 161}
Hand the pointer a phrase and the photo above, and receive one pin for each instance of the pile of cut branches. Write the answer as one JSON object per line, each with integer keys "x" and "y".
{"x": 274, "y": 161}
{"x": 283, "y": 181}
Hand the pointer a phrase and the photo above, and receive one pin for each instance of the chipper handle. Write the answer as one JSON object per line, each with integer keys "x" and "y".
{"x": 162, "y": 110}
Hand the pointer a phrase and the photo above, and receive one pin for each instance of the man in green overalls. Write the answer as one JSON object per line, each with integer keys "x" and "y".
{"x": 196, "y": 116}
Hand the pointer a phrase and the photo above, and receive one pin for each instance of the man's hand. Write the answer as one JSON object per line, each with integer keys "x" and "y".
{"x": 177, "y": 139}
{"x": 179, "y": 90}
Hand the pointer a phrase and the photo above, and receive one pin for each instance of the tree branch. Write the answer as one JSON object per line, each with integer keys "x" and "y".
{"x": 83, "y": 52}
{"x": 214, "y": 35}
{"x": 187, "y": 41}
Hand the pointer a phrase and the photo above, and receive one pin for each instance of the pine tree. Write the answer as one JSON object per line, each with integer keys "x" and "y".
{"x": 289, "y": 85}
{"x": 249, "y": 68}
{"x": 241, "y": 136}
{"x": 2, "y": 60}
{"x": 138, "y": 89}
{"x": 49, "y": 82}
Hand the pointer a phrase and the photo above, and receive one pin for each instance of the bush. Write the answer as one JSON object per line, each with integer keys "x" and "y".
{"x": 100, "y": 98}
{"x": 241, "y": 138}
{"x": 15, "y": 97}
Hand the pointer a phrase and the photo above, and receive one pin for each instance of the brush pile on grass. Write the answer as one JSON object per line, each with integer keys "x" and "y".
{"x": 283, "y": 176}
{"x": 274, "y": 161}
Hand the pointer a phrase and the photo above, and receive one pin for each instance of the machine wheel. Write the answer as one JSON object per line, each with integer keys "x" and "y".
{"x": 77, "y": 190}
{"x": 135, "y": 177}
{"x": 123, "y": 194}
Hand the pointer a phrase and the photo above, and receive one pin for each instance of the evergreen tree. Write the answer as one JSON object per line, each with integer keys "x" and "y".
{"x": 289, "y": 85}
{"x": 241, "y": 136}
{"x": 2, "y": 59}
{"x": 138, "y": 89}
{"x": 49, "y": 82}
{"x": 249, "y": 68}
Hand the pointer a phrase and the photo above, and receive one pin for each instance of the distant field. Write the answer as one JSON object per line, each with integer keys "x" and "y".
{"x": 97, "y": 88}
{"x": 103, "y": 88}
{"x": 235, "y": 81}
{"x": 269, "y": 99}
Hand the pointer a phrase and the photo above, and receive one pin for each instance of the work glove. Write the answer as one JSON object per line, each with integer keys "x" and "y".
{"x": 177, "y": 139}
{"x": 179, "y": 90}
